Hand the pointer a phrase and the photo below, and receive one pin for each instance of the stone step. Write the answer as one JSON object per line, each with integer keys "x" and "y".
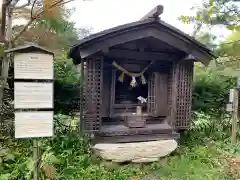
{"x": 138, "y": 152}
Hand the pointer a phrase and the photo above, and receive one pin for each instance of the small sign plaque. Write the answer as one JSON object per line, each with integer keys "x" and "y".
{"x": 238, "y": 83}
{"x": 31, "y": 95}
{"x": 33, "y": 91}
{"x": 229, "y": 107}
{"x": 33, "y": 124}
{"x": 33, "y": 66}
{"x": 231, "y": 95}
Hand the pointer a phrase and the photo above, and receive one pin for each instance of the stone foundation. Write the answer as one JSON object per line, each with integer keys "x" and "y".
{"x": 139, "y": 152}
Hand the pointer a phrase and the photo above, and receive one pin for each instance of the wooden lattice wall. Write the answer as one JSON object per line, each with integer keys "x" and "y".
{"x": 151, "y": 94}
{"x": 181, "y": 73}
{"x": 184, "y": 97}
{"x": 92, "y": 94}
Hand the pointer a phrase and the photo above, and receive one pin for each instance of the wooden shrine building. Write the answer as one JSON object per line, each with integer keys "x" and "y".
{"x": 138, "y": 80}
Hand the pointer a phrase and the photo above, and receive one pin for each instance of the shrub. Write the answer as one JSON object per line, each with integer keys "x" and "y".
{"x": 66, "y": 86}
{"x": 211, "y": 91}
{"x": 65, "y": 156}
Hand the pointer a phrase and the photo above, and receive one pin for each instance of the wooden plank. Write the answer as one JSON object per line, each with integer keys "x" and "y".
{"x": 174, "y": 93}
{"x": 82, "y": 89}
{"x": 151, "y": 94}
{"x": 113, "y": 86}
{"x": 119, "y": 121}
{"x": 161, "y": 94}
{"x": 118, "y": 130}
{"x": 154, "y": 13}
{"x": 100, "y": 95}
{"x": 106, "y": 93}
{"x": 136, "y": 138}
{"x": 142, "y": 56}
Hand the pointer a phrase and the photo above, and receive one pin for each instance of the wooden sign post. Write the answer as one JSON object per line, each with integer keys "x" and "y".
{"x": 235, "y": 116}
{"x": 33, "y": 95}
{"x": 233, "y": 108}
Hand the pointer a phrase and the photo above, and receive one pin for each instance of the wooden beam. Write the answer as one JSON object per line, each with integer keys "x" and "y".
{"x": 112, "y": 41}
{"x": 175, "y": 74}
{"x": 139, "y": 55}
{"x": 81, "y": 124}
{"x": 154, "y": 13}
{"x": 3, "y": 22}
{"x": 136, "y": 34}
{"x": 136, "y": 138}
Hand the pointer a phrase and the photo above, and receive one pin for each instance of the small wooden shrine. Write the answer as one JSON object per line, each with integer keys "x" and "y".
{"x": 138, "y": 80}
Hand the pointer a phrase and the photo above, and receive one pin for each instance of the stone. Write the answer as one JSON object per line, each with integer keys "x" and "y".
{"x": 139, "y": 152}
{"x": 145, "y": 160}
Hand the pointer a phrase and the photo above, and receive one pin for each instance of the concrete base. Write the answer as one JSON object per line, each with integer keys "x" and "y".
{"x": 139, "y": 152}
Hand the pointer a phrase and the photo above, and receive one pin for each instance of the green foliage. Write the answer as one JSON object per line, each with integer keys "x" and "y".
{"x": 65, "y": 72}
{"x": 207, "y": 39}
{"x": 68, "y": 156}
{"x": 197, "y": 162}
{"x": 216, "y": 12}
{"x": 65, "y": 156}
{"x": 205, "y": 126}
{"x": 211, "y": 91}
{"x": 201, "y": 122}
{"x": 56, "y": 33}
{"x": 230, "y": 50}
{"x": 66, "y": 34}
{"x": 67, "y": 85}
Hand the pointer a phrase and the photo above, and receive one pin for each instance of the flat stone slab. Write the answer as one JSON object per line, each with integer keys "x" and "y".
{"x": 139, "y": 152}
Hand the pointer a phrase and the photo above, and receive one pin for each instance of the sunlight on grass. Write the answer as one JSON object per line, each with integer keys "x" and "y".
{"x": 198, "y": 163}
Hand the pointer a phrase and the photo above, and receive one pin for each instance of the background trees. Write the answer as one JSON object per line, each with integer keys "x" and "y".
{"x": 212, "y": 83}
{"x": 68, "y": 155}
{"x": 47, "y": 25}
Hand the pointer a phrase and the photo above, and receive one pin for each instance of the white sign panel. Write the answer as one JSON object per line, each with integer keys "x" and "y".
{"x": 33, "y": 124}
{"x": 229, "y": 107}
{"x": 30, "y": 95}
{"x": 33, "y": 66}
{"x": 238, "y": 83}
{"x": 231, "y": 95}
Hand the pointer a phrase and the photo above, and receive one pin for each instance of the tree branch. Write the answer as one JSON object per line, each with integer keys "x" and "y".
{"x": 52, "y": 6}
{"x": 58, "y": 3}
{"x": 32, "y": 8}
{"x": 23, "y": 30}
{"x": 3, "y": 23}
{"x": 197, "y": 29}
{"x": 23, "y": 6}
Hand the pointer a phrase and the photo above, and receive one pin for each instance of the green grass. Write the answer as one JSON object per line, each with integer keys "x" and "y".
{"x": 69, "y": 157}
{"x": 196, "y": 162}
